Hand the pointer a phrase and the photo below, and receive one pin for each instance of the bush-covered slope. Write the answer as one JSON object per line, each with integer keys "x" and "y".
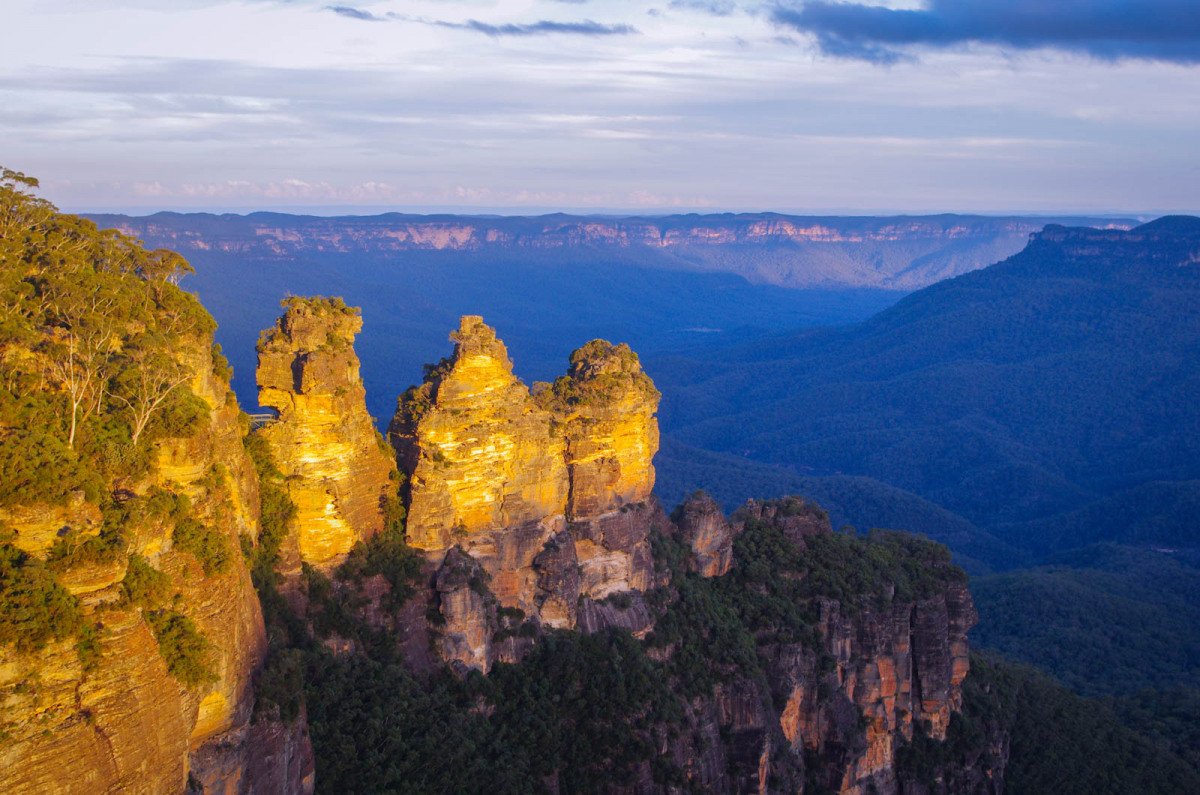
{"x": 1056, "y": 741}
{"x": 858, "y": 501}
{"x": 1103, "y": 620}
{"x": 1029, "y": 389}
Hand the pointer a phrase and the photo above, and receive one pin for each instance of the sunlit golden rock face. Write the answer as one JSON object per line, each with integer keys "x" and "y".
{"x": 483, "y": 453}
{"x": 125, "y": 724}
{"x": 605, "y": 407}
{"x": 480, "y": 454}
{"x": 549, "y": 493}
{"x": 336, "y": 469}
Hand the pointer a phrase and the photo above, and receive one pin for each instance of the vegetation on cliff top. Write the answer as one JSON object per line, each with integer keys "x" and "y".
{"x": 599, "y": 373}
{"x": 92, "y": 331}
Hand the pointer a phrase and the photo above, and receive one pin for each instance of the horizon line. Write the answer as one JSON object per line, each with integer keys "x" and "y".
{"x": 342, "y": 211}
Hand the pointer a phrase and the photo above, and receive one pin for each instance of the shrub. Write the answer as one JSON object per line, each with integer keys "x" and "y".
{"x": 34, "y": 608}
{"x": 182, "y": 646}
{"x": 144, "y": 585}
{"x": 205, "y": 543}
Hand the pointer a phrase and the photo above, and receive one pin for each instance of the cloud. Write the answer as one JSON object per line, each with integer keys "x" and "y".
{"x": 354, "y": 13}
{"x": 542, "y": 27}
{"x": 1155, "y": 30}
{"x": 719, "y": 8}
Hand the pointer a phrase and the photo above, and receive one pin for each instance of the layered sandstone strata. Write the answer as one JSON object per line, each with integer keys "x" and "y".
{"x": 123, "y": 722}
{"x": 847, "y": 702}
{"x": 549, "y": 493}
{"x": 479, "y": 453}
{"x": 337, "y": 471}
{"x": 605, "y": 406}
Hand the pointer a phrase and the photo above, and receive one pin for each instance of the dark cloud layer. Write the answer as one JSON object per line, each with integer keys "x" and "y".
{"x": 1161, "y": 30}
{"x": 583, "y": 28}
{"x": 354, "y": 13}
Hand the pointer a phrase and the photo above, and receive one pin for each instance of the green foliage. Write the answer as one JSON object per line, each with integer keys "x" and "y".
{"x": 417, "y": 400}
{"x": 1048, "y": 399}
{"x": 182, "y": 646}
{"x": 1103, "y": 620}
{"x": 221, "y": 367}
{"x": 280, "y": 685}
{"x": 387, "y": 554}
{"x": 1060, "y": 742}
{"x": 207, "y": 544}
{"x": 34, "y": 608}
{"x": 144, "y": 586}
{"x": 589, "y": 707}
{"x": 93, "y": 329}
{"x": 714, "y": 627}
{"x": 277, "y": 513}
{"x": 87, "y": 646}
{"x": 599, "y": 373}
{"x": 37, "y": 462}
{"x": 1168, "y": 718}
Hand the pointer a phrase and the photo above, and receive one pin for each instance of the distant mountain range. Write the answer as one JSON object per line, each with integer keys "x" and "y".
{"x": 893, "y": 253}
{"x": 1049, "y": 399}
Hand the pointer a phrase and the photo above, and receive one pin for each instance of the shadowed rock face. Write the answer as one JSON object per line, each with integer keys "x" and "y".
{"x": 324, "y": 441}
{"x": 710, "y": 536}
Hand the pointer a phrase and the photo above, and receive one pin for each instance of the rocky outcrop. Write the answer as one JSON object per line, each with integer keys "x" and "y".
{"x": 337, "y": 471}
{"x": 605, "y": 406}
{"x": 707, "y": 533}
{"x": 548, "y": 493}
{"x": 467, "y": 613}
{"x": 832, "y": 710}
{"x": 479, "y": 453}
{"x": 125, "y": 721}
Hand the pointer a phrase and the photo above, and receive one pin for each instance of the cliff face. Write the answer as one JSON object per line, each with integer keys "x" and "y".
{"x": 121, "y": 719}
{"x": 606, "y": 407}
{"x": 324, "y": 441}
{"x": 480, "y": 454}
{"x": 833, "y": 708}
{"x": 891, "y": 252}
{"x": 548, "y": 493}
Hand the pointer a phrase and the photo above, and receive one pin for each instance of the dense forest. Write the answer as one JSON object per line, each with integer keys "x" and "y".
{"x": 1039, "y": 398}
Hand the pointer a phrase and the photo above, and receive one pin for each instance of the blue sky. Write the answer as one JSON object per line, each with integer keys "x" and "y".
{"x": 529, "y": 105}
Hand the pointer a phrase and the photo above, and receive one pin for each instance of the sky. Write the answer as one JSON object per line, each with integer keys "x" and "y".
{"x": 521, "y": 106}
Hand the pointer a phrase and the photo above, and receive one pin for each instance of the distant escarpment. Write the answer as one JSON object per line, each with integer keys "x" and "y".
{"x": 336, "y": 468}
{"x": 897, "y": 252}
{"x": 130, "y": 632}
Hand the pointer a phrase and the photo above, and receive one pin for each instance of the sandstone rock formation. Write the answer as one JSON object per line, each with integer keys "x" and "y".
{"x": 123, "y": 722}
{"x": 337, "y": 471}
{"x": 706, "y": 531}
{"x": 605, "y": 406}
{"x": 878, "y": 671}
{"x": 479, "y": 453}
{"x": 549, "y": 493}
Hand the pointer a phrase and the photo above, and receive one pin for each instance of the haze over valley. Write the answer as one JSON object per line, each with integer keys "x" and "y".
{"x": 645, "y": 397}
